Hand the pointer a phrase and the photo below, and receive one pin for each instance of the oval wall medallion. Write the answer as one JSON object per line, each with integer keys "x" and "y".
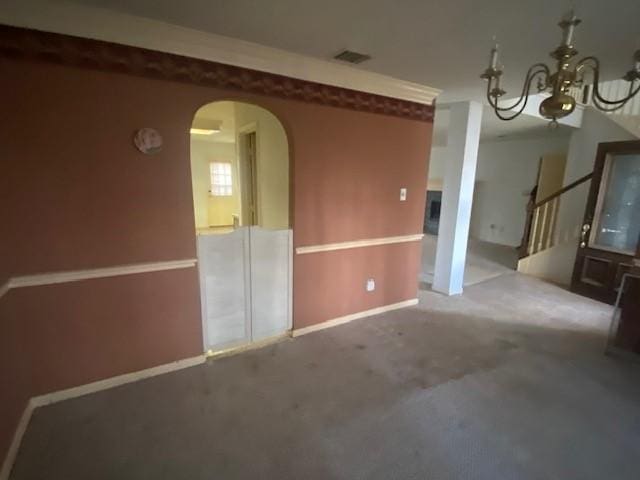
{"x": 148, "y": 140}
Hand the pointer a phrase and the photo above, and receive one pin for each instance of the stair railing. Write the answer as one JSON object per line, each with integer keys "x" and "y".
{"x": 540, "y": 228}
{"x": 609, "y": 89}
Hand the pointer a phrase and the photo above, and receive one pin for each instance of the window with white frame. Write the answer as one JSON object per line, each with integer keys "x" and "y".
{"x": 221, "y": 184}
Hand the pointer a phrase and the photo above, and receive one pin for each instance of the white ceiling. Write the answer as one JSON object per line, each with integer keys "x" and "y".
{"x": 524, "y": 126}
{"x": 223, "y": 112}
{"x": 494, "y": 129}
{"x": 440, "y": 44}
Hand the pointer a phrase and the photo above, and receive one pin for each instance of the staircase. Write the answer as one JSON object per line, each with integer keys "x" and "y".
{"x": 628, "y": 117}
{"x": 545, "y": 250}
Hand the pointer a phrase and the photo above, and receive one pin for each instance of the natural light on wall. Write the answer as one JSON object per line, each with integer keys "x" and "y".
{"x": 203, "y": 131}
{"x": 205, "y": 127}
{"x": 221, "y": 181}
{"x": 240, "y": 175}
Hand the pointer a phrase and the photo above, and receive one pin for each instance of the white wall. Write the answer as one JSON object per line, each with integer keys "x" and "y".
{"x": 507, "y": 171}
{"x": 437, "y": 161}
{"x": 272, "y": 165}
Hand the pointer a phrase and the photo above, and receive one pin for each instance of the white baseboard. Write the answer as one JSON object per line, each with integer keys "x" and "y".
{"x": 353, "y": 316}
{"x": 81, "y": 390}
{"x": 100, "y": 385}
{"x": 93, "y": 387}
{"x": 10, "y": 458}
{"x": 227, "y": 352}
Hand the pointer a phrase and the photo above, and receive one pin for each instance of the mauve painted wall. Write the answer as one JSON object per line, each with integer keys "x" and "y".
{"x": 60, "y": 336}
{"x": 337, "y": 280}
{"x": 75, "y": 194}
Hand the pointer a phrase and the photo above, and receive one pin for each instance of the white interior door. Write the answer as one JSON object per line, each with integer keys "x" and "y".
{"x": 270, "y": 282}
{"x": 224, "y": 273}
{"x": 245, "y": 285}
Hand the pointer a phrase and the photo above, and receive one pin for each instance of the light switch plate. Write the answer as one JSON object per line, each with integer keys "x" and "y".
{"x": 403, "y": 194}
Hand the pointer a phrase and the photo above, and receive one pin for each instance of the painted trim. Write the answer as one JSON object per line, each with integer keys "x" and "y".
{"x": 370, "y": 242}
{"x": 290, "y": 283}
{"x": 245, "y": 347}
{"x": 102, "y": 24}
{"x": 12, "y": 453}
{"x": 54, "y": 397}
{"x": 353, "y": 316}
{"x": 19, "y": 44}
{"x": 74, "y": 392}
{"x": 78, "y": 275}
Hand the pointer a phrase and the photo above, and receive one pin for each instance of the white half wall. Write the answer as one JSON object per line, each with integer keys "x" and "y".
{"x": 554, "y": 264}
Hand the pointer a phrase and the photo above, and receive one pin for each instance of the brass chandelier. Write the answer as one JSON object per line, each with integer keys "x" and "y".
{"x": 567, "y": 76}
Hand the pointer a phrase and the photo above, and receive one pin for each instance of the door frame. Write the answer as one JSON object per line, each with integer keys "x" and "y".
{"x": 241, "y": 133}
{"x": 617, "y": 262}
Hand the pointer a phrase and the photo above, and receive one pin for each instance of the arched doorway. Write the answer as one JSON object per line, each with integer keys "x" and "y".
{"x": 240, "y": 176}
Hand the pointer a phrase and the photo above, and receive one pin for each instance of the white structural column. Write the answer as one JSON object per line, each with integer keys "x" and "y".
{"x": 457, "y": 196}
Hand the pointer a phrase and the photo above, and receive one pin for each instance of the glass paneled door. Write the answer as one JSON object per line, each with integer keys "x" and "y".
{"x": 610, "y": 233}
{"x": 617, "y": 220}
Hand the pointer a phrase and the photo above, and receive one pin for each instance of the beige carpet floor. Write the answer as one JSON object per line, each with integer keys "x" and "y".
{"x": 507, "y": 381}
{"x": 484, "y": 260}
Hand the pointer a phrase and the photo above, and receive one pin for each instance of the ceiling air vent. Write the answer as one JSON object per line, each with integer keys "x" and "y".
{"x": 352, "y": 57}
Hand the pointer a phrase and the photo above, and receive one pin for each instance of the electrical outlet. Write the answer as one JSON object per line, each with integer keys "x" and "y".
{"x": 371, "y": 285}
{"x": 403, "y": 194}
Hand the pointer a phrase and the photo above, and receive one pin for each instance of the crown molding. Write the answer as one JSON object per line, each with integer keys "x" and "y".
{"x": 101, "y": 24}
{"x": 18, "y": 43}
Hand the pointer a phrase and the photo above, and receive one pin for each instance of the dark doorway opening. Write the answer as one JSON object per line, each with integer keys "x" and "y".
{"x": 432, "y": 212}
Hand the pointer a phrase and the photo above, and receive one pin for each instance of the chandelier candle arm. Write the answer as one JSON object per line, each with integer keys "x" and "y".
{"x": 609, "y": 105}
{"x": 524, "y": 97}
{"x": 558, "y": 84}
{"x": 494, "y": 93}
